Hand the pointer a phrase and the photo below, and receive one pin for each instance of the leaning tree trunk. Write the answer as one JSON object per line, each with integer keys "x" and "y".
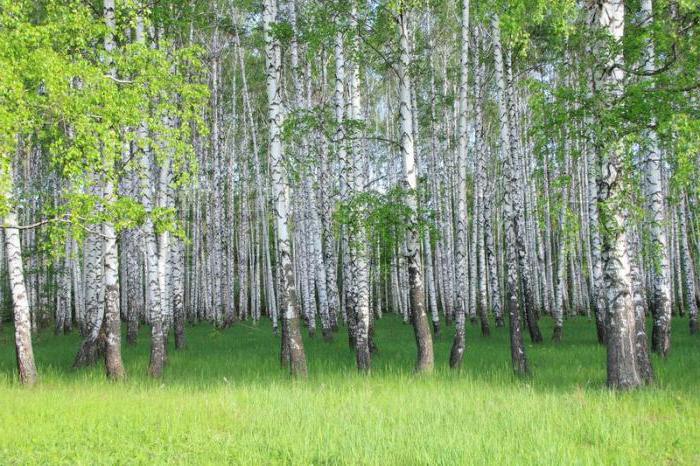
{"x": 436, "y": 271}
{"x": 270, "y": 295}
{"x": 528, "y": 289}
{"x": 424, "y": 341}
{"x": 147, "y": 193}
{"x": 341, "y": 147}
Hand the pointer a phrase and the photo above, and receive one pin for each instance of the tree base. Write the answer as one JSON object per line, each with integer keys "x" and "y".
{"x": 436, "y": 329}
{"x": 88, "y": 354}
{"x": 327, "y": 335}
{"x": 132, "y": 333}
{"x": 485, "y": 330}
{"x": 457, "y": 352}
{"x": 556, "y": 335}
{"x": 180, "y": 340}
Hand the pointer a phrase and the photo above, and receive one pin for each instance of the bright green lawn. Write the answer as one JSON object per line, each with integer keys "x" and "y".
{"x": 225, "y": 400}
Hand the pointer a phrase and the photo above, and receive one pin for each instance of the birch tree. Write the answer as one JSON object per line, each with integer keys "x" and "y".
{"x": 517, "y": 346}
{"x": 419, "y": 317}
{"x": 661, "y": 269}
{"x": 291, "y": 335}
{"x": 458, "y": 346}
{"x": 113, "y": 357}
{"x": 20, "y": 303}
{"x": 623, "y": 368}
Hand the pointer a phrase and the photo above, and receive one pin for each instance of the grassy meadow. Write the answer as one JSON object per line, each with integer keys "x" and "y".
{"x": 225, "y": 399}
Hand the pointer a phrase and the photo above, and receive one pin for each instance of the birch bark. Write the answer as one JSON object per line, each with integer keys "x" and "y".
{"x": 425, "y": 359}
{"x": 623, "y": 368}
{"x": 273, "y": 63}
{"x": 458, "y": 345}
{"x": 20, "y": 303}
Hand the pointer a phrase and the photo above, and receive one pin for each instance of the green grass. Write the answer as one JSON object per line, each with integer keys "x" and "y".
{"x": 225, "y": 400}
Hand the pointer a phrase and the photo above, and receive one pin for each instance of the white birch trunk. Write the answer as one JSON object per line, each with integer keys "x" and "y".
{"x": 20, "y": 303}
{"x": 291, "y": 335}
{"x": 661, "y": 268}
{"x": 623, "y": 368}
{"x": 425, "y": 359}
{"x": 462, "y": 292}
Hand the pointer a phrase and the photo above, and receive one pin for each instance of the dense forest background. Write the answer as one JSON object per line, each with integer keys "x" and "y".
{"x": 322, "y": 163}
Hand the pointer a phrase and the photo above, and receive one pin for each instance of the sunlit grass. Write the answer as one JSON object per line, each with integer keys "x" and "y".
{"x": 225, "y": 400}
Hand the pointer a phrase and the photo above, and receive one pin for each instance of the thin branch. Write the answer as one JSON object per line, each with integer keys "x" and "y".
{"x": 31, "y": 226}
{"x": 117, "y": 80}
{"x": 65, "y": 219}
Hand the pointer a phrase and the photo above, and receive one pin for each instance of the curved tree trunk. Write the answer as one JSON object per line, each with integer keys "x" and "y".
{"x": 419, "y": 317}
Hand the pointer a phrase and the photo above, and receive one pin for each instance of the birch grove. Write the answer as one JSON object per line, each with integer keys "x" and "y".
{"x": 321, "y": 164}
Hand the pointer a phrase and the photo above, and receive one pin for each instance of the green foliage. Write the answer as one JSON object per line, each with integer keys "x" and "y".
{"x": 320, "y": 23}
{"x": 402, "y": 6}
{"x": 683, "y": 134}
{"x": 61, "y": 92}
{"x": 567, "y": 105}
{"x": 383, "y": 215}
{"x": 282, "y": 31}
{"x": 526, "y": 22}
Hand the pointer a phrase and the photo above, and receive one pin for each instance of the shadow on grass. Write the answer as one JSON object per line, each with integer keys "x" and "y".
{"x": 248, "y": 353}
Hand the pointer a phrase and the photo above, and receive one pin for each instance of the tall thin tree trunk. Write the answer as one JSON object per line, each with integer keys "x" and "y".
{"x": 687, "y": 267}
{"x": 91, "y": 346}
{"x": 458, "y": 345}
{"x": 661, "y": 269}
{"x": 517, "y": 346}
{"x": 112, "y": 322}
{"x": 292, "y": 337}
{"x": 20, "y": 303}
{"x": 424, "y": 341}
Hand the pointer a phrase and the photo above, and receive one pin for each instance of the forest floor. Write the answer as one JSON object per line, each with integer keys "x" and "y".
{"x": 225, "y": 399}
